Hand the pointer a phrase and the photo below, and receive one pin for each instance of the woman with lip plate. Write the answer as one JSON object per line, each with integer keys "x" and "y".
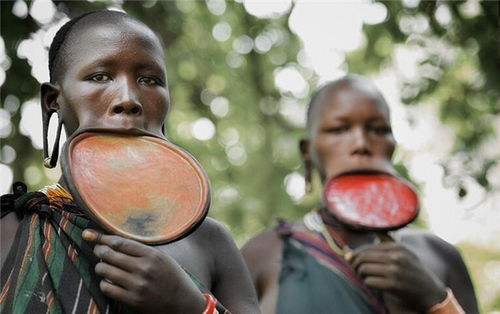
{"x": 108, "y": 72}
{"x": 296, "y": 269}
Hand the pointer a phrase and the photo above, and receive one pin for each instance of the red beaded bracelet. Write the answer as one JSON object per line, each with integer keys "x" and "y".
{"x": 211, "y": 302}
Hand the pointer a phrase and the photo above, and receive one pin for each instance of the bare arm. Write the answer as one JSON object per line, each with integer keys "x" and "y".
{"x": 416, "y": 271}
{"x": 262, "y": 255}
{"x": 8, "y": 228}
{"x": 457, "y": 276}
{"x": 232, "y": 284}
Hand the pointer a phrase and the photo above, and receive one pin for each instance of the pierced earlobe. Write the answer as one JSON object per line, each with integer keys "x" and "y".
{"x": 50, "y": 162}
{"x": 49, "y": 104}
{"x": 306, "y": 159}
{"x": 308, "y": 175}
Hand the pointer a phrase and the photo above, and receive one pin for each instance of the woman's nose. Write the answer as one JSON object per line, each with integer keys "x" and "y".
{"x": 126, "y": 100}
{"x": 361, "y": 142}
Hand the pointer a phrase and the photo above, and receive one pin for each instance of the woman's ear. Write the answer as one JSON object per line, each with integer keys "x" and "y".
{"x": 304, "y": 149}
{"x": 49, "y": 93}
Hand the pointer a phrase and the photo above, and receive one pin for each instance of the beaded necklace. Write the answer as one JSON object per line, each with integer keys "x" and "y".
{"x": 314, "y": 222}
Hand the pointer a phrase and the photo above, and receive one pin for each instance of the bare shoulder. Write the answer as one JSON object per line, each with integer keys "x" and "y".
{"x": 262, "y": 250}
{"x": 423, "y": 241}
{"x": 440, "y": 256}
{"x": 266, "y": 247}
{"x": 266, "y": 241}
{"x": 213, "y": 240}
{"x": 211, "y": 229}
{"x": 201, "y": 250}
{"x": 445, "y": 261}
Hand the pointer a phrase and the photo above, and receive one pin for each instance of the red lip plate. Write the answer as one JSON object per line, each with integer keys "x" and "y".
{"x": 371, "y": 201}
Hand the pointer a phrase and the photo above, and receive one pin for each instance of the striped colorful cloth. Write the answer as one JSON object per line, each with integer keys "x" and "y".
{"x": 49, "y": 268}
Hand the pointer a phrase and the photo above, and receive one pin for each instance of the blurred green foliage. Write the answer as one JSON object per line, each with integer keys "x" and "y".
{"x": 459, "y": 72}
{"x": 231, "y": 83}
{"x": 254, "y": 147}
{"x": 484, "y": 267}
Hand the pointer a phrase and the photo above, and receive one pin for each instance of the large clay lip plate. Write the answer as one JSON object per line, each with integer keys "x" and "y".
{"x": 140, "y": 187}
{"x": 371, "y": 201}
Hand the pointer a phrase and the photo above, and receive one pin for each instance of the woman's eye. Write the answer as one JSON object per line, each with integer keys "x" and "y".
{"x": 381, "y": 130}
{"x": 101, "y": 78}
{"x": 337, "y": 130}
{"x": 148, "y": 80}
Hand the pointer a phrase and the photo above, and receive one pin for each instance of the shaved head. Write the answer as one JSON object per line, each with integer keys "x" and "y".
{"x": 60, "y": 49}
{"x": 327, "y": 91}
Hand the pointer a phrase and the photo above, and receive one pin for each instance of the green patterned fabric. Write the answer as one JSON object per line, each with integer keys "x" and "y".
{"x": 314, "y": 279}
{"x": 49, "y": 268}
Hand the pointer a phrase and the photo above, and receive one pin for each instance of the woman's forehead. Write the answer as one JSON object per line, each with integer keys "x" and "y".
{"x": 122, "y": 29}
{"x": 349, "y": 100}
{"x": 102, "y": 38}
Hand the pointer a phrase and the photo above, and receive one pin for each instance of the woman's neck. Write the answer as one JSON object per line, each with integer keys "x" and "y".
{"x": 352, "y": 238}
{"x": 63, "y": 183}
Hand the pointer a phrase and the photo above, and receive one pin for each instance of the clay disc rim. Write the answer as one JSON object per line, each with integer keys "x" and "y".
{"x": 371, "y": 201}
{"x": 139, "y": 187}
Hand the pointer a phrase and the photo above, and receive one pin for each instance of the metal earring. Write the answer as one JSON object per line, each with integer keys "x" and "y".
{"x": 50, "y": 162}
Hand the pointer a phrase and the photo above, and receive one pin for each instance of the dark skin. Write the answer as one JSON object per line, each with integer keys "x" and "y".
{"x": 115, "y": 78}
{"x": 351, "y": 130}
